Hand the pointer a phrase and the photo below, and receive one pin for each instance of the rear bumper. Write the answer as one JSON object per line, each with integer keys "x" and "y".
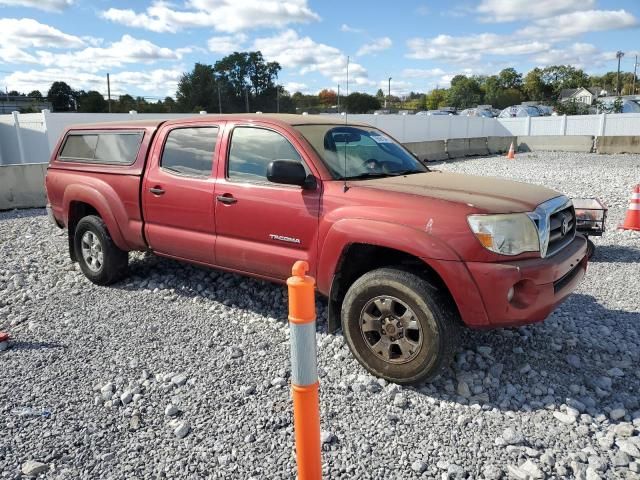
{"x": 539, "y": 285}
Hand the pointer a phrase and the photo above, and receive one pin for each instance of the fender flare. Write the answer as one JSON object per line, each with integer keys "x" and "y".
{"x": 406, "y": 239}
{"x": 105, "y": 201}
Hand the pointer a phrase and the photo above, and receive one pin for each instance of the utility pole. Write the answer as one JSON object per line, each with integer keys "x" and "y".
{"x": 109, "y": 92}
{"x": 277, "y": 98}
{"x": 246, "y": 98}
{"x": 388, "y": 94}
{"x": 619, "y": 55}
{"x": 219, "y": 98}
{"x": 635, "y": 67}
{"x": 338, "y": 98}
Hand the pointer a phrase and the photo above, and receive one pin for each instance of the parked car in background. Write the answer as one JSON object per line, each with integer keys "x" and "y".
{"x": 440, "y": 112}
{"x": 406, "y": 255}
{"x": 477, "y": 112}
{"x": 520, "y": 111}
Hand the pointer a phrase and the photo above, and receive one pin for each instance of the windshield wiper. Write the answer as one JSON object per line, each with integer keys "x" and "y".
{"x": 405, "y": 172}
{"x": 368, "y": 175}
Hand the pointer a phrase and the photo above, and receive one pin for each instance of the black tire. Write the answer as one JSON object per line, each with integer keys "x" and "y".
{"x": 438, "y": 319}
{"x": 114, "y": 261}
{"x": 591, "y": 248}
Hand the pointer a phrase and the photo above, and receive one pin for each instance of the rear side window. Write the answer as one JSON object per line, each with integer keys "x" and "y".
{"x": 189, "y": 151}
{"x": 109, "y": 148}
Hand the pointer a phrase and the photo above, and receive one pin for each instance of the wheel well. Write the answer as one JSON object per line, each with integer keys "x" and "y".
{"x": 360, "y": 258}
{"x": 77, "y": 211}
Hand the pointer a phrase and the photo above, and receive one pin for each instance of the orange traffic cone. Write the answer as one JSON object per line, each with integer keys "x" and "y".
{"x": 512, "y": 153}
{"x": 632, "y": 222}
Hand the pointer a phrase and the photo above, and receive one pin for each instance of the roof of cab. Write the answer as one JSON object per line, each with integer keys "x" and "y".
{"x": 281, "y": 118}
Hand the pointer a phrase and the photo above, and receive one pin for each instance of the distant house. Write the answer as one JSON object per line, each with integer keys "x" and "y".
{"x": 586, "y": 95}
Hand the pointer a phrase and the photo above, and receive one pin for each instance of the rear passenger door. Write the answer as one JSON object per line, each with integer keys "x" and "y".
{"x": 178, "y": 193}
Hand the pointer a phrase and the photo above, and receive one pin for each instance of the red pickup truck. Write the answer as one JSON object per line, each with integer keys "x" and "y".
{"x": 405, "y": 254}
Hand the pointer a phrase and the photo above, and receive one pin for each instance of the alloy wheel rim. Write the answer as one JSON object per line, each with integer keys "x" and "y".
{"x": 391, "y": 329}
{"x": 92, "y": 252}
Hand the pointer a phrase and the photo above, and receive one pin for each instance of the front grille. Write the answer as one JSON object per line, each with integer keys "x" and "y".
{"x": 562, "y": 229}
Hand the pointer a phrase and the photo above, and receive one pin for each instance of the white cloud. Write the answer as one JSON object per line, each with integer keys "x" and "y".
{"x": 398, "y": 87}
{"x": 293, "y": 87}
{"x": 578, "y": 23}
{"x": 156, "y": 81}
{"x": 537, "y": 40}
{"x": 222, "y": 15}
{"x": 524, "y": 10}
{"x": 422, "y": 73}
{"x": 27, "y": 32}
{"x": 580, "y": 55}
{"x": 305, "y": 55}
{"x": 226, "y": 44}
{"x": 124, "y": 51}
{"x": 47, "y": 5}
{"x": 159, "y": 80}
{"x": 472, "y": 48}
{"x": 377, "y": 45}
{"x": 346, "y": 28}
{"x": 13, "y": 54}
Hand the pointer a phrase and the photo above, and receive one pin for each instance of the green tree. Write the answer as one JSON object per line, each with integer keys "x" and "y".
{"x": 170, "y": 105}
{"x": 559, "y": 77}
{"x": 125, "y": 104}
{"x": 465, "y": 92}
{"x": 245, "y": 78}
{"x": 380, "y": 95}
{"x": 61, "y": 97}
{"x": 534, "y": 86}
{"x": 509, "y": 78}
{"x": 436, "y": 98}
{"x": 197, "y": 88}
{"x": 35, "y": 94}
{"x": 91, "y": 102}
{"x": 357, "y": 102}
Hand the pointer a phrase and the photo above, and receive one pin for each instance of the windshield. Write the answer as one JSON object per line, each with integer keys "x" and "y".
{"x": 365, "y": 151}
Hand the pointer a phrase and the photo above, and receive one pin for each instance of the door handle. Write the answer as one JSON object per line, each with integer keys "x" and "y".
{"x": 227, "y": 199}
{"x": 157, "y": 191}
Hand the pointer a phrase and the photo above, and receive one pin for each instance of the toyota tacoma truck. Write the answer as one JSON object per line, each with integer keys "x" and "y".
{"x": 405, "y": 254}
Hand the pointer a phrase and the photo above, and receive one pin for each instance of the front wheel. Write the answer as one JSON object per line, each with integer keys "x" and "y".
{"x": 398, "y": 326}
{"x": 100, "y": 259}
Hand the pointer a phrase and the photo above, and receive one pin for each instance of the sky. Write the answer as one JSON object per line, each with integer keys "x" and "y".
{"x": 146, "y": 45}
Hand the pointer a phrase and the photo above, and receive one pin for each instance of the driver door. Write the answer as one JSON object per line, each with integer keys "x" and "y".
{"x": 263, "y": 227}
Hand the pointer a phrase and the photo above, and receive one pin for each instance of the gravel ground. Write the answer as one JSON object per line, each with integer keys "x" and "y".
{"x": 183, "y": 372}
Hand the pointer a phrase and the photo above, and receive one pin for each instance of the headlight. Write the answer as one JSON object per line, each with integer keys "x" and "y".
{"x": 508, "y": 234}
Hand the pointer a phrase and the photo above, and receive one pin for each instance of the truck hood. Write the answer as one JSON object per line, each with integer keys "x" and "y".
{"x": 489, "y": 194}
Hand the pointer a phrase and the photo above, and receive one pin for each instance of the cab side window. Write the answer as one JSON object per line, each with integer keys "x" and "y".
{"x": 190, "y": 151}
{"x": 251, "y": 151}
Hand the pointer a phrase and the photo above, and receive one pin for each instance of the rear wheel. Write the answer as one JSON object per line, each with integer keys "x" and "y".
{"x": 100, "y": 259}
{"x": 398, "y": 326}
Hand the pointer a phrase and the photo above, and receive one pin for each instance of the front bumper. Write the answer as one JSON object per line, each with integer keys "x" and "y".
{"x": 539, "y": 285}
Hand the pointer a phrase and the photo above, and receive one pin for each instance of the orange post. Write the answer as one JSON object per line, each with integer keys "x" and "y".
{"x": 304, "y": 372}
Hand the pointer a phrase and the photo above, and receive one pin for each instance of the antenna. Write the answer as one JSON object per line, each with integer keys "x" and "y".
{"x": 346, "y": 112}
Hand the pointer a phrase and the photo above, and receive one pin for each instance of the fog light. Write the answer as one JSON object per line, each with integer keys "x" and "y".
{"x": 510, "y": 294}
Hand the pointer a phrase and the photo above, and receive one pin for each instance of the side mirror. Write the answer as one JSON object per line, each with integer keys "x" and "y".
{"x": 290, "y": 172}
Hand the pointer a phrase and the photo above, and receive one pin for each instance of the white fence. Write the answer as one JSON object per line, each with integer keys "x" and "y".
{"x": 29, "y": 138}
